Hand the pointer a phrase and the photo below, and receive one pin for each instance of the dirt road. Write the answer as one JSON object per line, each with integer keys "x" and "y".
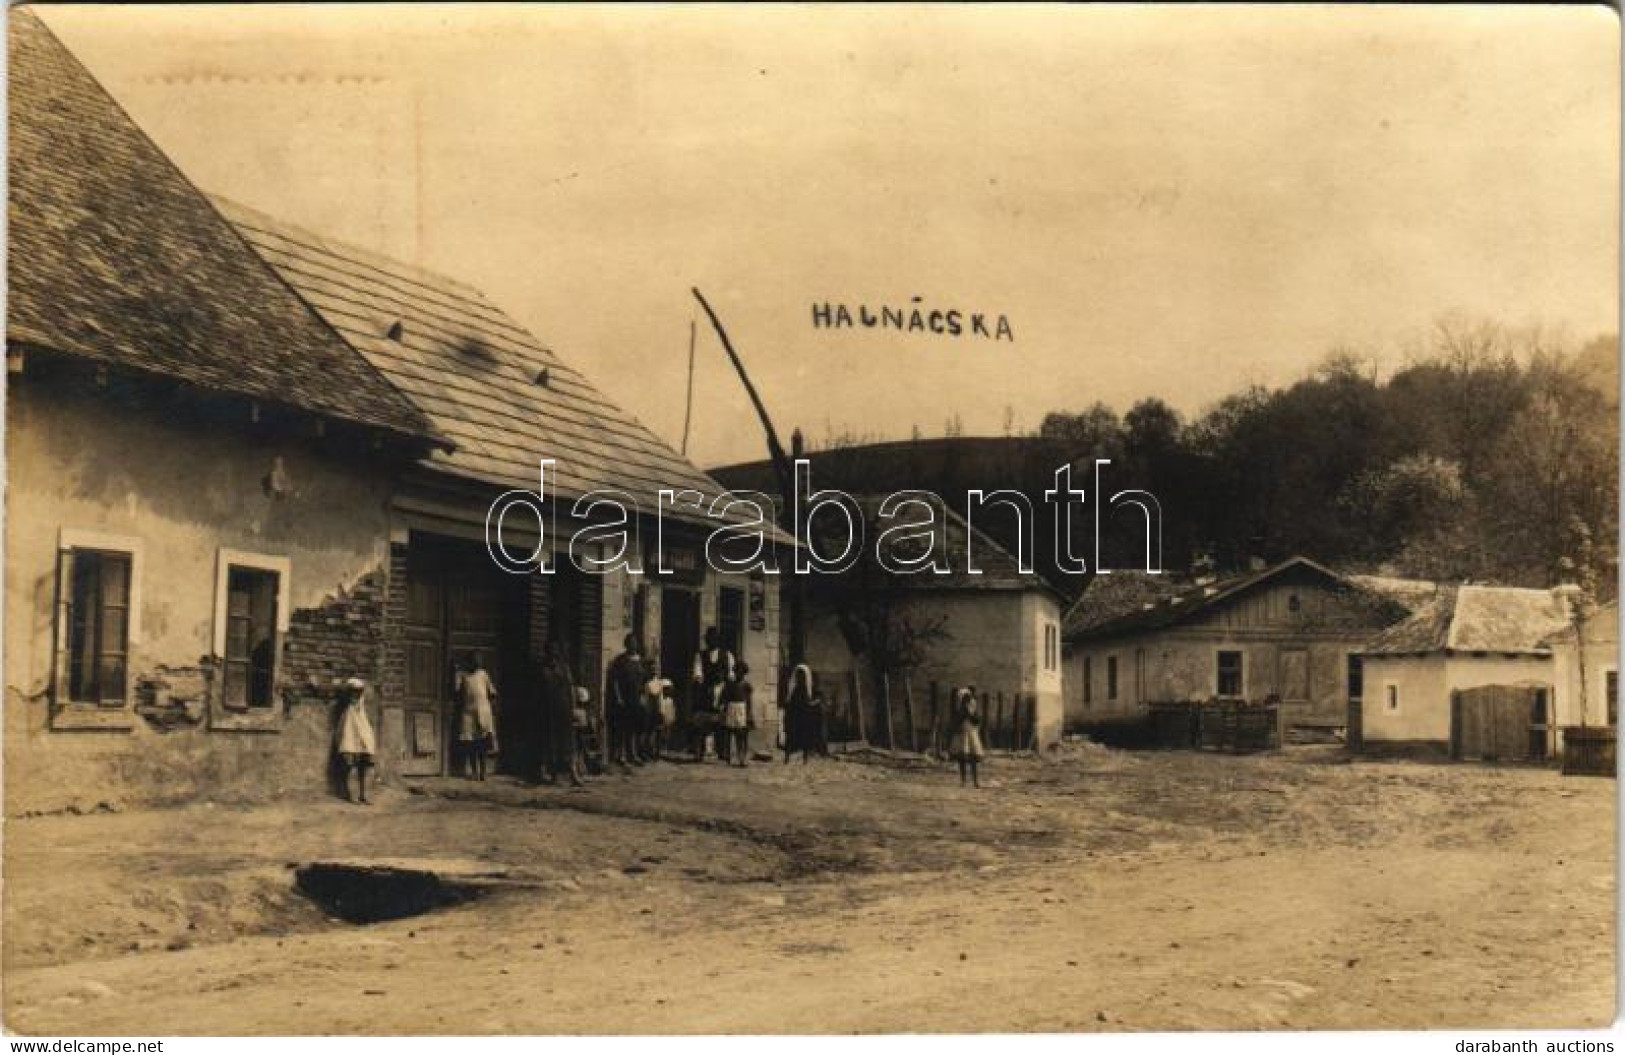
{"x": 1095, "y": 890}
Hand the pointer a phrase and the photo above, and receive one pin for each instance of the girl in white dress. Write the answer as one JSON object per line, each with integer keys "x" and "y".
{"x": 356, "y": 744}
{"x": 476, "y": 727}
{"x": 966, "y": 745}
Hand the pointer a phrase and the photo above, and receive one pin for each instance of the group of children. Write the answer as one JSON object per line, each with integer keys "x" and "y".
{"x": 642, "y": 715}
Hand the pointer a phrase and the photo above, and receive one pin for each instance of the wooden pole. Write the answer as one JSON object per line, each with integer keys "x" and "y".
{"x": 784, "y": 470}
{"x": 908, "y": 715}
{"x": 857, "y": 703}
{"x": 688, "y": 408}
{"x": 885, "y": 705}
{"x": 936, "y": 722}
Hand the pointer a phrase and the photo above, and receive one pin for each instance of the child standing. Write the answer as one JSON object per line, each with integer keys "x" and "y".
{"x": 476, "y": 730}
{"x": 357, "y": 746}
{"x": 966, "y": 746}
{"x": 737, "y": 716}
{"x": 581, "y": 719}
{"x": 662, "y": 711}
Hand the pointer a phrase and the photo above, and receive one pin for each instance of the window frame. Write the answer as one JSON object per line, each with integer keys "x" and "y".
{"x": 253, "y": 719}
{"x": 1390, "y": 697}
{"x": 67, "y": 713}
{"x": 1241, "y": 674}
{"x": 1088, "y": 680}
{"x": 1112, "y": 685}
{"x": 1610, "y": 695}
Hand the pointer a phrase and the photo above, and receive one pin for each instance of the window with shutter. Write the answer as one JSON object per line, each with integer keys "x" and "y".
{"x": 98, "y": 626}
{"x": 251, "y": 621}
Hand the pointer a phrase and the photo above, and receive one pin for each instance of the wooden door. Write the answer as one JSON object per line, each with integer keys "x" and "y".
{"x": 458, "y": 604}
{"x": 1294, "y": 683}
{"x": 1499, "y": 723}
{"x": 416, "y": 731}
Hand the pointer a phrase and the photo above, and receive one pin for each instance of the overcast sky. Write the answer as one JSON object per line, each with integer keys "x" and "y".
{"x": 1169, "y": 202}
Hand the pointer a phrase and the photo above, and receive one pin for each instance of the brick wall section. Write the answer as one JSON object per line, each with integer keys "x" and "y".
{"x": 392, "y": 621}
{"x": 339, "y": 638}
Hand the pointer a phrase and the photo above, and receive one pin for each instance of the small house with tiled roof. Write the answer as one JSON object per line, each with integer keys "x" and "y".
{"x": 1290, "y": 633}
{"x": 1492, "y": 671}
{"x": 984, "y": 622}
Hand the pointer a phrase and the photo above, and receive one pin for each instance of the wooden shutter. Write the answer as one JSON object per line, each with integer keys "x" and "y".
{"x": 64, "y": 623}
{"x": 113, "y": 630}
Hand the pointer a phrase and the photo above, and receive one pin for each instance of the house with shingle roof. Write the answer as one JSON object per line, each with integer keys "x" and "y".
{"x": 508, "y": 402}
{"x": 1547, "y": 656}
{"x": 246, "y": 461}
{"x": 1291, "y": 633}
{"x": 199, "y": 474}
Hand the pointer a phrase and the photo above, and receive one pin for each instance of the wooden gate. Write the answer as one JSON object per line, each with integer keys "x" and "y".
{"x": 1499, "y": 723}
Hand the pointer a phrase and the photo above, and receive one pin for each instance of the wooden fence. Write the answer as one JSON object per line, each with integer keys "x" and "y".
{"x": 902, "y": 716}
{"x": 1216, "y": 726}
{"x": 1589, "y": 751}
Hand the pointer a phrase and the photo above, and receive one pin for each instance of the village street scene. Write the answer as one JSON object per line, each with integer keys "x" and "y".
{"x": 379, "y": 661}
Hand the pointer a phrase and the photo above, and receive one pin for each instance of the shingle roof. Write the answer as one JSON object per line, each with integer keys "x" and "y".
{"x": 503, "y": 398}
{"x": 1114, "y": 596}
{"x": 1479, "y": 619}
{"x": 1197, "y": 599}
{"x": 117, "y": 258}
{"x": 1412, "y": 593}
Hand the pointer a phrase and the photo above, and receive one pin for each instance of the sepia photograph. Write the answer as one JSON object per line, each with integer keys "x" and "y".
{"x": 713, "y": 521}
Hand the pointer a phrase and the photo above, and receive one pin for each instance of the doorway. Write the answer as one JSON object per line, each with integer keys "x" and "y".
{"x": 1500, "y": 723}
{"x": 679, "y": 638}
{"x": 457, "y": 604}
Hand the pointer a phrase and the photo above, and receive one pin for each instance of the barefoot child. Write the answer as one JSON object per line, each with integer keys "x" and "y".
{"x": 662, "y": 708}
{"x": 356, "y": 743}
{"x": 476, "y": 728}
{"x": 737, "y": 716}
{"x": 966, "y": 746}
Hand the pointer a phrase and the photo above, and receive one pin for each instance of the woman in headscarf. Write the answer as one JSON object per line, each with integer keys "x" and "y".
{"x": 800, "y": 715}
{"x": 966, "y": 745}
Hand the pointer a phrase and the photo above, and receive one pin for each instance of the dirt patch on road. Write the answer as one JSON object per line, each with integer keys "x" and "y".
{"x": 1093, "y": 890}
